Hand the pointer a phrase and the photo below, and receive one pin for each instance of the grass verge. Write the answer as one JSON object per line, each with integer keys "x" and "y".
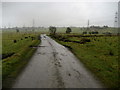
{"x": 100, "y": 56}
{"x": 13, "y": 65}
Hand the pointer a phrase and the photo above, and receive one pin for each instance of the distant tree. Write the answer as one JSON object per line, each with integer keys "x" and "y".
{"x": 68, "y": 30}
{"x": 52, "y": 30}
{"x": 105, "y": 26}
{"x": 17, "y": 30}
{"x": 95, "y": 27}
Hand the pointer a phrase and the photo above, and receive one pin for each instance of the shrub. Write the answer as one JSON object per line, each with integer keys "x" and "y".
{"x": 15, "y": 41}
{"x": 33, "y": 38}
{"x": 111, "y": 53}
{"x": 26, "y": 37}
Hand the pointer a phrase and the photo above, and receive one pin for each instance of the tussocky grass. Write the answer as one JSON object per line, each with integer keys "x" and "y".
{"x": 100, "y": 55}
{"x": 13, "y": 65}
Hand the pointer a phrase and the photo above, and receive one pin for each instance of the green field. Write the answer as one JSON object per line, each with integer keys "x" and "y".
{"x": 81, "y": 30}
{"x": 16, "y": 52}
{"x": 98, "y": 53}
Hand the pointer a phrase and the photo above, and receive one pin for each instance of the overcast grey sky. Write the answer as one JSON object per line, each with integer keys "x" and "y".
{"x": 58, "y": 13}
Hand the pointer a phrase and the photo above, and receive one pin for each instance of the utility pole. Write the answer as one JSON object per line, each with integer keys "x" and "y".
{"x": 88, "y": 24}
{"x": 116, "y": 20}
{"x": 33, "y": 22}
{"x": 119, "y": 14}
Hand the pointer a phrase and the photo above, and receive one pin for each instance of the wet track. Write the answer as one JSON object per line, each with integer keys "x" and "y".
{"x": 54, "y": 66}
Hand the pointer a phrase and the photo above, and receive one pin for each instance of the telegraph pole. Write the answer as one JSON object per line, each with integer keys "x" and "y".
{"x": 88, "y": 24}
{"x": 119, "y": 14}
{"x": 116, "y": 20}
{"x": 33, "y": 22}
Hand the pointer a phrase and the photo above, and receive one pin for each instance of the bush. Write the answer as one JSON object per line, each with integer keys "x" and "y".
{"x": 15, "y": 41}
{"x": 26, "y": 37}
{"x": 111, "y": 53}
{"x": 33, "y": 38}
